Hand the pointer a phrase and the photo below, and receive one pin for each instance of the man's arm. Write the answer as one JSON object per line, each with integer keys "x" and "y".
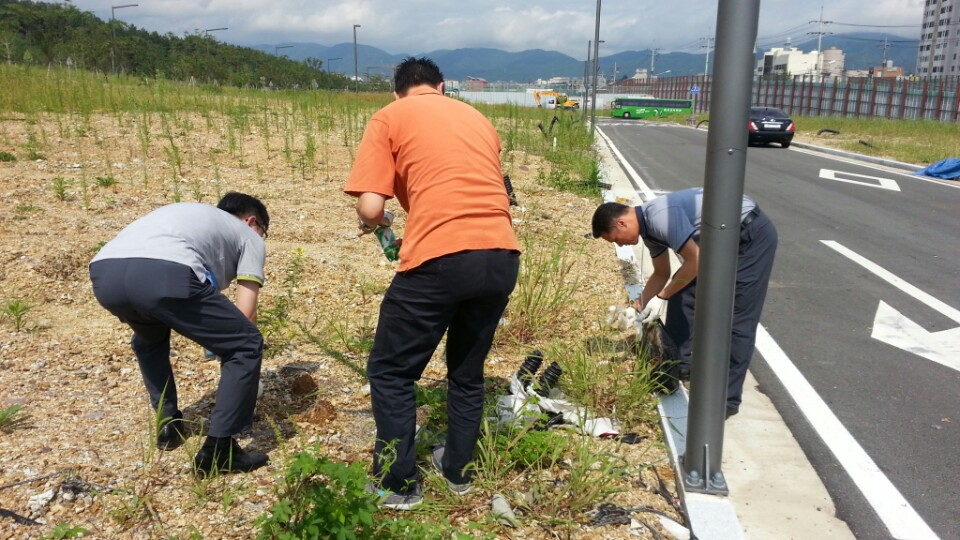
{"x": 370, "y": 210}
{"x": 247, "y": 294}
{"x": 690, "y": 254}
{"x": 656, "y": 281}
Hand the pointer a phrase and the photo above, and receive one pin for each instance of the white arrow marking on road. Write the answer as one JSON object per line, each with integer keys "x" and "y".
{"x": 893, "y": 328}
{"x": 881, "y": 183}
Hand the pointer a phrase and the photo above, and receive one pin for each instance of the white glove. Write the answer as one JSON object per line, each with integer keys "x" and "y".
{"x": 654, "y": 310}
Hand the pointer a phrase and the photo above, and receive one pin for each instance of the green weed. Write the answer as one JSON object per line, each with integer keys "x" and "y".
{"x": 106, "y": 181}
{"x": 7, "y": 157}
{"x": 544, "y": 285}
{"x": 65, "y": 530}
{"x": 320, "y": 499}
{"x": 59, "y": 187}
{"x": 10, "y": 418}
{"x": 16, "y": 311}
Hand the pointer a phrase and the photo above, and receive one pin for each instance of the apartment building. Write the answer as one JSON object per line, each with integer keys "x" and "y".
{"x": 939, "y": 53}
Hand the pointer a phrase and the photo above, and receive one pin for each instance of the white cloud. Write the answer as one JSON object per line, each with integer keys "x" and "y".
{"x": 416, "y": 26}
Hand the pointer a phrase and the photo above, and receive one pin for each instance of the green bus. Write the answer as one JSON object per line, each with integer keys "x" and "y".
{"x": 646, "y": 107}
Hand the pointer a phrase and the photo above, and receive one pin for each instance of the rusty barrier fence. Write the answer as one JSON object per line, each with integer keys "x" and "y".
{"x": 854, "y": 97}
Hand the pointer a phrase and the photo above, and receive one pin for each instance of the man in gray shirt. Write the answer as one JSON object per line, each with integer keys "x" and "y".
{"x": 672, "y": 222}
{"x": 165, "y": 272}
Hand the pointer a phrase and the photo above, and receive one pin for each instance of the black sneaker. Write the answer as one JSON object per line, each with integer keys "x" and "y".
{"x": 731, "y": 411}
{"x": 172, "y": 433}
{"x": 224, "y": 455}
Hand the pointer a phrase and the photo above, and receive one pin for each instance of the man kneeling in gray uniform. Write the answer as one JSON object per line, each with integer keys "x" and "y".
{"x": 165, "y": 271}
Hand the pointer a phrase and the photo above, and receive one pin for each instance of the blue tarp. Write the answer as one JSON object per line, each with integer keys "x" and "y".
{"x": 948, "y": 169}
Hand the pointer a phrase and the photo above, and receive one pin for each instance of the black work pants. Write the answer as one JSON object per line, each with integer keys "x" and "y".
{"x": 154, "y": 296}
{"x": 758, "y": 245}
{"x": 463, "y": 294}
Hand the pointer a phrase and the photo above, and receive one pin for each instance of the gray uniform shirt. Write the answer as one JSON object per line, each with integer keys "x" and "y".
{"x": 215, "y": 244}
{"x": 670, "y": 220}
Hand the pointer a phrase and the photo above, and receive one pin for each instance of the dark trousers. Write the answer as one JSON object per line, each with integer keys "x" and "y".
{"x": 463, "y": 294}
{"x": 153, "y": 297}
{"x": 758, "y": 245}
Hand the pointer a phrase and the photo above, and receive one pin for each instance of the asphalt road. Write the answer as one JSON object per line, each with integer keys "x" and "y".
{"x": 848, "y": 248}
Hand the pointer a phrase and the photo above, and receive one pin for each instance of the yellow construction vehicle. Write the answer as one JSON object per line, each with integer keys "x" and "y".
{"x": 554, "y": 100}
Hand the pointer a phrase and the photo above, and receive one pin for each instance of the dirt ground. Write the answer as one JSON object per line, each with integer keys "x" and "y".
{"x": 85, "y": 431}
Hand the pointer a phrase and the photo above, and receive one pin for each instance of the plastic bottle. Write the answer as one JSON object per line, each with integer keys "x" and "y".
{"x": 386, "y": 237}
{"x": 388, "y": 241}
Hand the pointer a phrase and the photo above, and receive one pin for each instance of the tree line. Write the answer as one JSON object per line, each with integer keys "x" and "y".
{"x": 54, "y": 34}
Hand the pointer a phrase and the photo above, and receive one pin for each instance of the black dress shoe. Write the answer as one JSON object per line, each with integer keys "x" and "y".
{"x": 172, "y": 433}
{"x": 731, "y": 411}
{"x": 223, "y": 455}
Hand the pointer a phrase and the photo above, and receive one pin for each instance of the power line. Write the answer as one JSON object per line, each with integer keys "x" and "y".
{"x": 874, "y": 25}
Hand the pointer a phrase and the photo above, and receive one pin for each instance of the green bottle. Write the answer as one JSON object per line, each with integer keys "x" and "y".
{"x": 388, "y": 241}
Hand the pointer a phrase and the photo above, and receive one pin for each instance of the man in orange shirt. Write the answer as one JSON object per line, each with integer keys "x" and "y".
{"x": 459, "y": 261}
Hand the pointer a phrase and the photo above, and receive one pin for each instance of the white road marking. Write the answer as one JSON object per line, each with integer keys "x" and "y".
{"x": 647, "y": 193}
{"x": 889, "y": 277}
{"x": 881, "y": 183}
{"x": 892, "y": 508}
{"x": 894, "y": 328}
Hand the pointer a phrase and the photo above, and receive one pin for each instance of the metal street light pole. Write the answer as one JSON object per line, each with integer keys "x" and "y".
{"x": 331, "y": 60}
{"x": 278, "y": 47}
{"x": 113, "y": 33}
{"x": 596, "y": 62}
{"x": 206, "y": 33}
{"x": 356, "y": 70}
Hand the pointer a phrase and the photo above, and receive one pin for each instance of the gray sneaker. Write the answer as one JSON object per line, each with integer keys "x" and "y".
{"x": 396, "y": 501}
{"x": 437, "y": 459}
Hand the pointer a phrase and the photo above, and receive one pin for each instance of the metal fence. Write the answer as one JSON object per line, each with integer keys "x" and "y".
{"x": 937, "y": 99}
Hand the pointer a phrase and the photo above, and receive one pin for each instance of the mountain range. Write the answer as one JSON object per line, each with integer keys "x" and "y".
{"x": 862, "y": 51}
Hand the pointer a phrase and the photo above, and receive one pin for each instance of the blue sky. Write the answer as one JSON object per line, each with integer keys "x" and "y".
{"x": 416, "y": 26}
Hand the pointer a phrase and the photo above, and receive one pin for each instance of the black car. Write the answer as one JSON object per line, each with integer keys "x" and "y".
{"x": 770, "y": 125}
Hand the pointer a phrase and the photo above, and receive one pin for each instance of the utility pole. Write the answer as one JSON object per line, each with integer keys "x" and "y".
{"x": 820, "y": 33}
{"x": 653, "y": 60}
{"x": 886, "y": 46}
{"x": 706, "y": 61}
{"x": 356, "y": 70}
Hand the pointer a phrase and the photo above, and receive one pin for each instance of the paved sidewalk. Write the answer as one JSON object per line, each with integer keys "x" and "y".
{"x": 774, "y": 491}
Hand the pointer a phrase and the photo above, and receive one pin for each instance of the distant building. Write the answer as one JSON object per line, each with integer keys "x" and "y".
{"x": 832, "y": 63}
{"x": 474, "y": 84}
{"x": 886, "y": 72}
{"x": 939, "y": 40}
{"x": 789, "y": 62}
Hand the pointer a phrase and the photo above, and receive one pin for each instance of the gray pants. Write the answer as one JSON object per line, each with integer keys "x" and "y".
{"x": 758, "y": 245}
{"x": 153, "y": 297}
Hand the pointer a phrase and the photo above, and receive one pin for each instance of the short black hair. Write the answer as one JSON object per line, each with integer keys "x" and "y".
{"x": 414, "y": 72}
{"x": 605, "y": 216}
{"x": 243, "y": 205}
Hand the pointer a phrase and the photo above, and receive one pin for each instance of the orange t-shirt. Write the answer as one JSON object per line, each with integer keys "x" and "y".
{"x": 441, "y": 159}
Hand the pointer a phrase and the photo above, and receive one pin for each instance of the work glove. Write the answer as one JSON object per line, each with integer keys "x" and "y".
{"x": 654, "y": 310}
